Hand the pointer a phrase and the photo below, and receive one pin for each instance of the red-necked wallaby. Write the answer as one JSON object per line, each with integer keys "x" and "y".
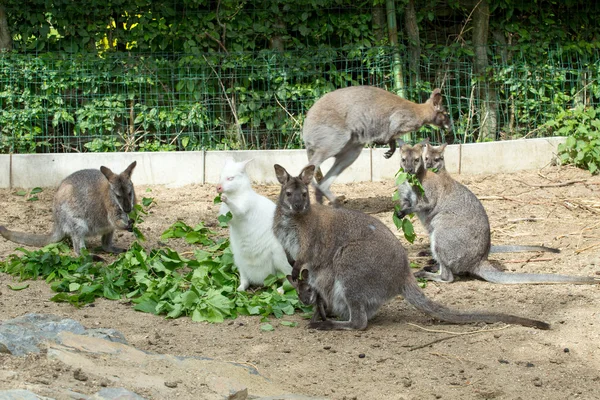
{"x": 433, "y": 157}
{"x": 355, "y": 262}
{"x": 458, "y": 227}
{"x": 89, "y": 202}
{"x": 308, "y": 295}
{"x": 342, "y": 122}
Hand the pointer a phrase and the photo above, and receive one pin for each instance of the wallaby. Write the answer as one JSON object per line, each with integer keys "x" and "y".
{"x": 256, "y": 251}
{"x": 458, "y": 227}
{"x": 308, "y": 295}
{"x": 87, "y": 203}
{"x": 433, "y": 156}
{"x": 355, "y": 262}
{"x": 342, "y": 122}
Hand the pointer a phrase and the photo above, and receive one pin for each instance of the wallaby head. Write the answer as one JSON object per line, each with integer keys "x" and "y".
{"x": 441, "y": 117}
{"x": 411, "y": 159}
{"x": 306, "y": 293}
{"x": 294, "y": 197}
{"x": 233, "y": 176}
{"x": 121, "y": 187}
{"x": 434, "y": 156}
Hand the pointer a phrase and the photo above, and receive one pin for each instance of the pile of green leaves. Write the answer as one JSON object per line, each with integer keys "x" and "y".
{"x": 405, "y": 223}
{"x": 582, "y": 147}
{"x": 159, "y": 281}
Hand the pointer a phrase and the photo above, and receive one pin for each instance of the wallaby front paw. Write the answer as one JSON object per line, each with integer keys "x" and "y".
{"x": 388, "y": 154}
{"x": 224, "y": 198}
{"x": 115, "y": 250}
{"x": 401, "y": 214}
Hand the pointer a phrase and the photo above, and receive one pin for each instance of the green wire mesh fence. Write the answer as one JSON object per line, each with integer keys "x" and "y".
{"x": 56, "y": 102}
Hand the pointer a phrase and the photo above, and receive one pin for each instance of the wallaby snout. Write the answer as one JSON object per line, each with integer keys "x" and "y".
{"x": 219, "y": 188}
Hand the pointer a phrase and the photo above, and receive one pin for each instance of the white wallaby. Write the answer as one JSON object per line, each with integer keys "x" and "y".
{"x": 256, "y": 251}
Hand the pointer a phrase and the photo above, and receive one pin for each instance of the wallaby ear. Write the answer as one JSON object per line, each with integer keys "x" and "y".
{"x": 304, "y": 274}
{"x": 425, "y": 141}
{"x": 401, "y": 142}
{"x": 307, "y": 173}
{"x": 419, "y": 147}
{"x": 129, "y": 170}
{"x": 443, "y": 146}
{"x": 107, "y": 172}
{"x": 282, "y": 174}
{"x": 247, "y": 162}
{"x": 436, "y": 97}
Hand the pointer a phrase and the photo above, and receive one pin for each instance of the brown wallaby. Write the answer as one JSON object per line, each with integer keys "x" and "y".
{"x": 433, "y": 157}
{"x": 342, "y": 122}
{"x": 355, "y": 262}
{"x": 458, "y": 227}
{"x": 89, "y": 202}
{"x": 308, "y": 295}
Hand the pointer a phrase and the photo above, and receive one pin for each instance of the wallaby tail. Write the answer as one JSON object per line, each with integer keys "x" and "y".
{"x": 31, "y": 239}
{"x": 488, "y": 272}
{"x": 518, "y": 249}
{"x": 415, "y": 296}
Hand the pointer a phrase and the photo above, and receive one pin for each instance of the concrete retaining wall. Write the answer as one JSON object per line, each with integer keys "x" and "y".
{"x": 183, "y": 168}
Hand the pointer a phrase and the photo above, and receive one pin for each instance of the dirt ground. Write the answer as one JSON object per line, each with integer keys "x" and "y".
{"x": 471, "y": 361}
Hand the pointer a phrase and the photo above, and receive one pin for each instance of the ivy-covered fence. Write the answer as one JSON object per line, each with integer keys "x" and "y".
{"x": 55, "y": 102}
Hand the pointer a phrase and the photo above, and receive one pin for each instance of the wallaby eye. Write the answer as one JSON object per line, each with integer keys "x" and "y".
{"x": 426, "y": 158}
{"x": 304, "y": 195}
{"x": 230, "y": 178}
{"x": 403, "y": 159}
{"x": 288, "y": 193}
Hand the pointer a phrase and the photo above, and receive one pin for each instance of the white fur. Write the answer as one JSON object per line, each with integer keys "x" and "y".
{"x": 256, "y": 251}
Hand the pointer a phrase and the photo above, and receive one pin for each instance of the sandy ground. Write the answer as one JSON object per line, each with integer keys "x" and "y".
{"x": 472, "y": 361}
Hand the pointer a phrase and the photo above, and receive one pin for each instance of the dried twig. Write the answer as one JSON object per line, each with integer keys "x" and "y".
{"x": 559, "y": 184}
{"x": 587, "y": 248}
{"x": 454, "y": 334}
{"x": 527, "y": 260}
{"x": 528, "y": 219}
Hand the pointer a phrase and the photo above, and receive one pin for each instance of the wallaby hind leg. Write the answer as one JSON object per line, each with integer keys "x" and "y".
{"x": 108, "y": 246}
{"x": 342, "y": 161}
{"x": 357, "y": 321}
{"x": 443, "y": 275}
{"x": 318, "y": 173}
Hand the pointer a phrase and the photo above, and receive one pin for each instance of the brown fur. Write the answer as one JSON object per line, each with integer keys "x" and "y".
{"x": 458, "y": 227}
{"x": 342, "y": 122}
{"x": 356, "y": 263}
{"x": 89, "y": 202}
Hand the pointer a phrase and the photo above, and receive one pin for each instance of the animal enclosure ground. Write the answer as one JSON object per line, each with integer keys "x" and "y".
{"x": 391, "y": 359}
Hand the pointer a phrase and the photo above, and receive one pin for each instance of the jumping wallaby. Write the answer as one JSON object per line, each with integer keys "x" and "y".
{"x": 256, "y": 251}
{"x": 433, "y": 156}
{"x": 308, "y": 295}
{"x": 89, "y": 202}
{"x": 356, "y": 263}
{"x": 458, "y": 227}
{"x": 342, "y": 122}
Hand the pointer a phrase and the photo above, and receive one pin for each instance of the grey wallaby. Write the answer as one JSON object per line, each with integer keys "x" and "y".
{"x": 88, "y": 202}
{"x": 458, "y": 227}
{"x": 433, "y": 156}
{"x": 356, "y": 263}
{"x": 342, "y": 122}
{"x": 307, "y": 294}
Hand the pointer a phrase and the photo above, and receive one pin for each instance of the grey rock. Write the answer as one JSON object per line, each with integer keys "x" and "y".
{"x": 20, "y": 394}
{"x": 116, "y": 394}
{"x": 111, "y": 335}
{"x": 22, "y": 335}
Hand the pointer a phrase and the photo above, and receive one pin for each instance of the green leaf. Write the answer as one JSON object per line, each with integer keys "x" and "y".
{"x": 267, "y": 327}
{"x": 288, "y": 323}
{"x": 19, "y": 286}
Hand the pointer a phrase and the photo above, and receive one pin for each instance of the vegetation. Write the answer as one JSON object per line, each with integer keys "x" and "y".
{"x": 196, "y": 74}
{"x": 161, "y": 281}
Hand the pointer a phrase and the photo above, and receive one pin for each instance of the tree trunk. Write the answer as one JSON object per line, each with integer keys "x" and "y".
{"x": 488, "y": 120}
{"x": 414, "y": 44}
{"x": 393, "y": 37}
{"x": 378, "y": 18}
{"x": 5, "y": 38}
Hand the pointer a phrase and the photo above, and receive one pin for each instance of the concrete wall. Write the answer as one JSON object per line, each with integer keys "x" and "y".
{"x": 183, "y": 168}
